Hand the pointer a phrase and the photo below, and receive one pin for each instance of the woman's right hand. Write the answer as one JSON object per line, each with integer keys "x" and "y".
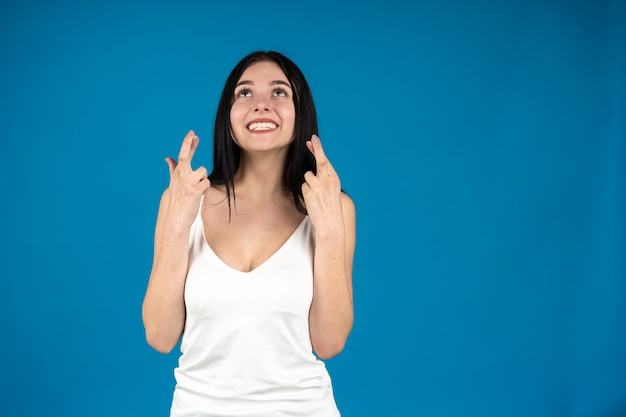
{"x": 186, "y": 185}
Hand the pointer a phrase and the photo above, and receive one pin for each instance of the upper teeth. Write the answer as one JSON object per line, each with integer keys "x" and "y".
{"x": 262, "y": 126}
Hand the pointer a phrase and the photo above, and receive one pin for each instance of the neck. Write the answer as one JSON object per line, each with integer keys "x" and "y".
{"x": 260, "y": 177}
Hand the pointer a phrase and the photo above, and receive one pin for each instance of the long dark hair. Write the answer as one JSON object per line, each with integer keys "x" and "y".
{"x": 226, "y": 153}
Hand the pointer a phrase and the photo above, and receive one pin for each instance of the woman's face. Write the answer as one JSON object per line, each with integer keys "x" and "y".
{"x": 263, "y": 115}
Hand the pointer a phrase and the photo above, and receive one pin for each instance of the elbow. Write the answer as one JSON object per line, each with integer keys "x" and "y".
{"x": 160, "y": 343}
{"x": 330, "y": 341}
{"x": 329, "y": 349}
{"x": 162, "y": 337}
{"x": 161, "y": 348}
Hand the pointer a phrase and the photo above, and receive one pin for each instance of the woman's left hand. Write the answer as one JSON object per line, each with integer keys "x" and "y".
{"x": 322, "y": 193}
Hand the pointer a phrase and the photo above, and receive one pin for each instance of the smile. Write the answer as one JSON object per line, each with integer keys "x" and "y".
{"x": 260, "y": 126}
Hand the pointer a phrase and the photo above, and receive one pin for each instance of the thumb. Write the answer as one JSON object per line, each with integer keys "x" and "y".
{"x": 171, "y": 164}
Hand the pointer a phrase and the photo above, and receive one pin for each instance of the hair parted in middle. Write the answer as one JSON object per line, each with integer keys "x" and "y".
{"x": 226, "y": 153}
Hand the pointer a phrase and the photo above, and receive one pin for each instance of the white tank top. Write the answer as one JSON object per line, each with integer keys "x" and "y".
{"x": 246, "y": 348}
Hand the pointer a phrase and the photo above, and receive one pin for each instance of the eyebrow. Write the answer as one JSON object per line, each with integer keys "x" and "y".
{"x": 276, "y": 82}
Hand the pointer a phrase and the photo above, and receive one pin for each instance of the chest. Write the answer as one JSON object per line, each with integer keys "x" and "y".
{"x": 282, "y": 283}
{"x": 249, "y": 240}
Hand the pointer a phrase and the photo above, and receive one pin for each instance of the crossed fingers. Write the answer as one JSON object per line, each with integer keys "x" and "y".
{"x": 183, "y": 168}
{"x": 188, "y": 148}
{"x": 325, "y": 171}
{"x": 321, "y": 161}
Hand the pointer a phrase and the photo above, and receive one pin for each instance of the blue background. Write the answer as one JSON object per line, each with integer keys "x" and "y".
{"x": 483, "y": 143}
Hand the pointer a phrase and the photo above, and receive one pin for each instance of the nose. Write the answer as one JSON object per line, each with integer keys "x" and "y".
{"x": 261, "y": 105}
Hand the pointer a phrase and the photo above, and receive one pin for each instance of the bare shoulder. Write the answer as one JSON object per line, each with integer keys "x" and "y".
{"x": 215, "y": 195}
{"x": 214, "y": 206}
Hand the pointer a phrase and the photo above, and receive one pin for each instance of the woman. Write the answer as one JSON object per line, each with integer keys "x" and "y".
{"x": 253, "y": 263}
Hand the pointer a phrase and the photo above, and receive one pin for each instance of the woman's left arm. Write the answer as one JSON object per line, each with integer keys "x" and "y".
{"x": 333, "y": 215}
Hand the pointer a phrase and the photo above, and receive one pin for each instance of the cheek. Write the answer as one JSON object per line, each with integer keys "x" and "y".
{"x": 237, "y": 118}
{"x": 289, "y": 115}
{"x": 235, "y": 115}
{"x": 236, "y": 122}
{"x": 289, "y": 121}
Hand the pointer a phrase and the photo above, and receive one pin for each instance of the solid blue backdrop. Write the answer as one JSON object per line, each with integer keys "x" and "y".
{"x": 483, "y": 143}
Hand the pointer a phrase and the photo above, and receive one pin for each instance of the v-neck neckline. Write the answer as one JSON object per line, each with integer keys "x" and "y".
{"x": 262, "y": 264}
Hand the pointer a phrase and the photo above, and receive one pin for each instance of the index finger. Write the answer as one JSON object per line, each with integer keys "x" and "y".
{"x": 187, "y": 149}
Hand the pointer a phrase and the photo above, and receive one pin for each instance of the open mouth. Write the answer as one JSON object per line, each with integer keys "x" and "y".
{"x": 262, "y": 126}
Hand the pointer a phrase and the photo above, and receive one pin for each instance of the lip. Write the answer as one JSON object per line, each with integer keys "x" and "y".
{"x": 264, "y": 120}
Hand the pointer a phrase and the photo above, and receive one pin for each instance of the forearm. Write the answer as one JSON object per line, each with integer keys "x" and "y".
{"x": 332, "y": 312}
{"x": 164, "y": 307}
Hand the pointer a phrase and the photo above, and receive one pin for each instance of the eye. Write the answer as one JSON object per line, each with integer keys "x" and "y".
{"x": 279, "y": 92}
{"x": 244, "y": 92}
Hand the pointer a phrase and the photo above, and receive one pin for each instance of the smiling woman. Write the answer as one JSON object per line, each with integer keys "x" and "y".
{"x": 263, "y": 114}
{"x": 253, "y": 263}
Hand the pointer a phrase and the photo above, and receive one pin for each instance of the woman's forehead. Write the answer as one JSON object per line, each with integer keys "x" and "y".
{"x": 262, "y": 71}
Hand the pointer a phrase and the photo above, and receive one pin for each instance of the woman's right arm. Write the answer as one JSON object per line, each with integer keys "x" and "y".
{"x": 163, "y": 309}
